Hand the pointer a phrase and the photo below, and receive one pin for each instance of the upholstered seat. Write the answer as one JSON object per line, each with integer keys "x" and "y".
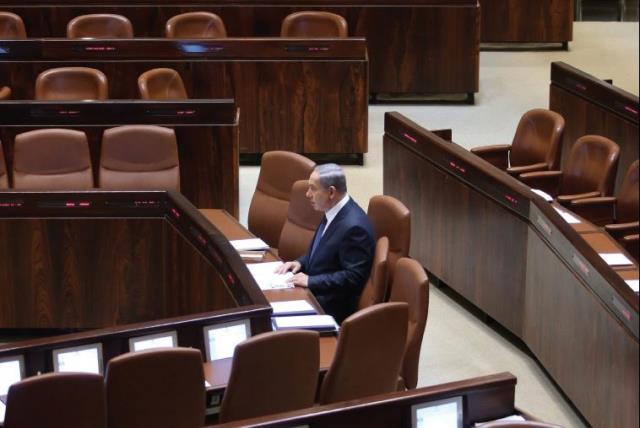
{"x": 375, "y": 289}
{"x": 536, "y": 144}
{"x": 71, "y": 83}
{"x": 11, "y": 26}
{"x": 156, "y": 388}
{"x": 52, "y": 159}
{"x": 100, "y": 26}
{"x": 135, "y": 157}
{"x": 310, "y": 24}
{"x": 4, "y": 178}
{"x": 271, "y": 373}
{"x": 161, "y": 84}
{"x": 195, "y": 25}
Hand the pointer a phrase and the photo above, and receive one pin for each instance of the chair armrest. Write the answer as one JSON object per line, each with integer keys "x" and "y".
{"x": 517, "y": 170}
{"x": 497, "y": 155}
{"x": 567, "y": 199}
{"x": 597, "y": 210}
{"x": 547, "y": 181}
{"x": 631, "y": 243}
{"x": 618, "y": 230}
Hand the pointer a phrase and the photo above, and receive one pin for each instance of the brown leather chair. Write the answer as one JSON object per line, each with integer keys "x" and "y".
{"x": 411, "y": 285}
{"x": 368, "y": 355}
{"x": 11, "y": 26}
{"x": 590, "y": 171}
{"x": 519, "y": 424}
{"x": 375, "y": 289}
{"x": 300, "y": 225}
{"x": 632, "y": 245}
{"x": 391, "y": 218}
{"x": 72, "y": 83}
{"x": 139, "y": 157}
{"x": 313, "y": 24}
{"x": 195, "y": 25}
{"x": 156, "y": 388}
{"x": 536, "y": 144}
{"x": 271, "y": 373}
{"x": 5, "y": 93}
{"x": 4, "y": 178}
{"x": 161, "y": 84}
{"x": 52, "y": 159}
{"x": 100, "y": 26}
{"x": 57, "y": 400}
{"x": 270, "y": 202}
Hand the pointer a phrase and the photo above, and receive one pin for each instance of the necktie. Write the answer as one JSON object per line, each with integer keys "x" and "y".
{"x": 318, "y": 237}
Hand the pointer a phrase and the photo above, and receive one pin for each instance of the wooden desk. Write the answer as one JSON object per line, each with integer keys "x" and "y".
{"x": 508, "y": 252}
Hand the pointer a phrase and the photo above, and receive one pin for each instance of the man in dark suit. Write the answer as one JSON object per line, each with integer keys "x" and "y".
{"x": 337, "y": 264}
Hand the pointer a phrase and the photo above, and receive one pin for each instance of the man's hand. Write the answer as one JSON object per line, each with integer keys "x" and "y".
{"x": 293, "y": 266}
{"x": 299, "y": 280}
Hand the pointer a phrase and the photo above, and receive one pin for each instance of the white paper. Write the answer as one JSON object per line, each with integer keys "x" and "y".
{"x": 543, "y": 195}
{"x": 266, "y": 278}
{"x": 513, "y": 418}
{"x": 249, "y": 244}
{"x": 616, "y": 259}
{"x": 305, "y": 321}
{"x": 567, "y": 216}
{"x": 292, "y": 307}
{"x": 633, "y": 283}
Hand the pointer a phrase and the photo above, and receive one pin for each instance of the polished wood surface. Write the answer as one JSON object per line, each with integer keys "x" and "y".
{"x": 592, "y": 106}
{"x": 513, "y": 256}
{"x": 206, "y": 131}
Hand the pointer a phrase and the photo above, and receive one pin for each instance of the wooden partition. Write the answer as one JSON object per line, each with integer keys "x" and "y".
{"x": 416, "y": 46}
{"x": 206, "y": 131}
{"x": 508, "y": 252}
{"x": 593, "y": 106}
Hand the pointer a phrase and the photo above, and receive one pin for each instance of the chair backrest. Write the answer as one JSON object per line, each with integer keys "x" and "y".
{"x": 161, "y": 84}
{"x": 71, "y": 83}
{"x": 57, "y": 400}
{"x": 11, "y": 26}
{"x": 156, "y": 388}
{"x": 195, "y": 25}
{"x": 538, "y": 139}
{"x": 4, "y": 178}
{"x": 271, "y": 373}
{"x": 300, "y": 225}
{"x": 411, "y": 285}
{"x": 5, "y": 93}
{"x": 312, "y": 24}
{"x": 391, "y": 218}
{"x": 627, "y": 198}
{"x": 368, "y": 355}
{"x": 100, "y": 26}
{"x": 270, "y": 202}
{"x": 375, "y": 289}
{"x": 52, "y": 159}
{"x": 139, "y": 157}
{"x": 591, "y": 166}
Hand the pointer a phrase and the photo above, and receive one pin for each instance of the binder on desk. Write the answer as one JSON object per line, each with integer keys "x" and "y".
{"x": 293, "y": 307}
{"x": 324, "y": 324}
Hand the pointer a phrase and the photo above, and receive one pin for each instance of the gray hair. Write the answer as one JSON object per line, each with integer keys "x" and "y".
{"x": 331, "y": 174}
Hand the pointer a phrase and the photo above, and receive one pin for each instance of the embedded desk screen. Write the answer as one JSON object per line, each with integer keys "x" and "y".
{"x": 221, "y": 339}
{"x": 161, "y": 340}
{"x": 11, "y": 371}
{"x": 86, "y": 359}
{"x": 445, "y": 413}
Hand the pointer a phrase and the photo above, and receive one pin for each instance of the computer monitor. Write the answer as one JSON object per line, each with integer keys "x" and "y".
{"x": 446, "y": 413}
{"x": 11, "y": 371}
{"x": 85, "y": 358}
{"x": 168, "y": 339}
{"x": 220, "y": 340}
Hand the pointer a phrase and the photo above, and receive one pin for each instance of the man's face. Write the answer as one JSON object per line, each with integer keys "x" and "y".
{"x": 322, "y": 199}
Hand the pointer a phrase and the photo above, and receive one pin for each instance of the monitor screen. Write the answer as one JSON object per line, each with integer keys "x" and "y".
{"x": 86, "y": 358}
{"x": 221, "y": 339}
{"x": 167, "y": 339}
{"x": 445, "y": 413}
{"x": 11, "y": 371}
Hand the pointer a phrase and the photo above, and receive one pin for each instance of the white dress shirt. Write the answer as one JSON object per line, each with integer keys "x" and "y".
{"x": 333, "y": 211}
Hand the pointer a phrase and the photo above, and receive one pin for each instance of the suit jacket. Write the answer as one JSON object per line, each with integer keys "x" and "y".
{"x": 341, "y": 262}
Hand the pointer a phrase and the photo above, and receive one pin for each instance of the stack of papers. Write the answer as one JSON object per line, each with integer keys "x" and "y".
{"x": 306, "y": 322}
{"x": 267, "y": 279}
{"x": 543, "y": 195}
{"x": 633, "y": 283}
{"x": 293, "y": 307}
{"x": 249, "y": 244}
{"x": 512, "y": 418}
{"x": 616, "y": 259}
{"x": 567, "y": 216}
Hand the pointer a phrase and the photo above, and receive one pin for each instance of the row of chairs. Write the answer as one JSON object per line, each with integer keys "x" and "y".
{"x": 131, "y": 157}
{"x": 190, "y": 25}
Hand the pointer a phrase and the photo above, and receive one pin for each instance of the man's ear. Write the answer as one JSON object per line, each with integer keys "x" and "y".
{"x": 332, "y": 192}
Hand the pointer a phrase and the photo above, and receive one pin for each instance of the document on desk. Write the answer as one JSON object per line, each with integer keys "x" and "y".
{"x": 543, "y": 195}
{"x": 512, "y": 418}
{"x": 267, "y": 279}
{"x": 293, "y": 307}
{"x": 307, "y": 322}
{"x": 633, "y": 283}
{"x": 616, "y": 259}
{"x": 567, "y": 216}
{"x": 249, "y": 244}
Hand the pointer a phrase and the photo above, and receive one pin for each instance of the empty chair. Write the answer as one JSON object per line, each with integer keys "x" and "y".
{"x": 5, "y": 93}
{"x": 271, "y": 373}
{"x": 156, "y": 388}
{"x": 270, "y": 202}
{"x": 368, "y": 355}
{"x": 536, "y": 144}
{"x": 375, "y": 289}
{"x": 139, "y": 157}
{"x": 4, "y": 179}
{"x": 590, "y": 171}
{"x": 310, "y": 24}
{"x": 100, "y": 26}
{"x": 300, "y": 225}
{"x": 71, "y": 83}
{"x": 11, "y": 26}
{"x": 411, "y": 285}
{"x": 57, "y": 400}
{"x": 161, "y": 84}
{"x": 52, "y": 159}
{"x": 195, "y": 25}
